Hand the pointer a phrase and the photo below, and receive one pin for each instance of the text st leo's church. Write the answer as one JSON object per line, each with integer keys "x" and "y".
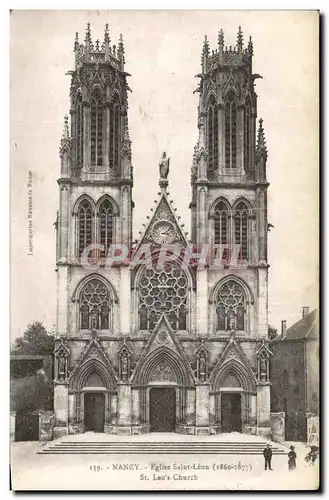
{"x": 181, "y": 349}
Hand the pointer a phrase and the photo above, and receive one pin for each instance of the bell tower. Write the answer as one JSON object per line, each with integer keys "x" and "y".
{"x": 226, "y": 156}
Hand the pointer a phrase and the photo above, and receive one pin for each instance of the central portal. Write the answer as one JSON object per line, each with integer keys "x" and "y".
{"x": 94, "y": 411}
{"x": 231, "y": 412}
{"x": 162, "y": 409}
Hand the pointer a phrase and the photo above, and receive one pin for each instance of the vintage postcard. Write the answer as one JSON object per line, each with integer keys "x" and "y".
{"x": 164, "y": 250}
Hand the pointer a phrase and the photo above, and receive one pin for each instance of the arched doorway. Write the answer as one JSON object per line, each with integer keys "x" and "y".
{"x": 231, "y": 412}
{"x": 162, "y": 409}
{"x": 94, "y": 411}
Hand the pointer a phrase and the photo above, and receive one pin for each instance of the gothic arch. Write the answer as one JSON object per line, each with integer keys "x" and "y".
{"x": 116, "y": 97}
{"x": 216, "y": 202}
{"x": 82, "y": 283}
{"x": 162, "y": 354}
{"x": 80, "y": 200}
{"x": 231, "y": 277}
{"x": 242, "y": 372}
{"x": 106, "y": 373}
{"x": 111, "y": 200}
{"x": 246, "y": 203}
{"x": 95, "y": 88}
{"x": 211, "y": 97}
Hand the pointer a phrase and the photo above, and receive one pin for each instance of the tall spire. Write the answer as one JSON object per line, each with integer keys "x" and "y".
{"x": 261, "y": 148}
{"x": 240, "y": 39}
{"x": 107, "y": 39}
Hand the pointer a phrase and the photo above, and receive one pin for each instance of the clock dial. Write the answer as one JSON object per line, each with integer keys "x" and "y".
{"x": 163, "y": 232}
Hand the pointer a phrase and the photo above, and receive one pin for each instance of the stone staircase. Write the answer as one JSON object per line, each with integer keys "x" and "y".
{"x": 158, "y": 448}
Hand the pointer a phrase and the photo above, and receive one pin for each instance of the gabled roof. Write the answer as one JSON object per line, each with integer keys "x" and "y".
{"x": 305, "y": 328}
{"x": 163, "y": 211}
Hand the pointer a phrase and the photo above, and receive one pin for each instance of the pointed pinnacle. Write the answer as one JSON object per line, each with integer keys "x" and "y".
{"x": 261, "y": 148}
{"x": 106, "y": 34}
{"x": 250, "y": 46}
{"x": 221, "y": 38}
{"x": 240, "y": 38}
{"x": 76, "y": 41}
{"x": 88, "y": 34}
{"x": 205, "y": 49}
{"x": 66, "y": 127}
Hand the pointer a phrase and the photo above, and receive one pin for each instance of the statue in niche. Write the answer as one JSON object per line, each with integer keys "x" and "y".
{"x": 124, "y": 367}
{"x": 62, "y": 368}
{"x": 202, "y": 369}
{"x": 263, "y": 368}
{"x": 94, "y": 321}
{"x": 232, "y": 324}
{"x": 164, "y": 166}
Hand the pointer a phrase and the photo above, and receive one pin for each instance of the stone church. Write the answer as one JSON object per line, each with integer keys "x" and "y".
{"x": 179, "y": 348}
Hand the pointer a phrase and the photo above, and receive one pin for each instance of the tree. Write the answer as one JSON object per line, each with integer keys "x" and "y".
{"x": 272, "y": 332}
{"x": 34, "y": 392}
{"x": 35, "y": 340}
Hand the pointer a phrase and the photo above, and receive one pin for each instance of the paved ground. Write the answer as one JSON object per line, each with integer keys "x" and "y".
{"x": 146, "y": 472}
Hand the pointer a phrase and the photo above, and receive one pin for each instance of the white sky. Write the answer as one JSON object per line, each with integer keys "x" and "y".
{"x": 163, "y": 50}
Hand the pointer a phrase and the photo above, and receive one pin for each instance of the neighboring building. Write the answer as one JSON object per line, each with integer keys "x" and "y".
{"x": 180, "y": 349}
{"x": 295, "y": 374}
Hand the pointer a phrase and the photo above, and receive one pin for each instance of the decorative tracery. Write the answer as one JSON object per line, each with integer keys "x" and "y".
{"x": 230, "y": 306}
{"x": 247, "y": 129}
{"x": 163, "y": 291}
{"x": 94, "y": 306}
{"x": 106, "y": 226}
{"x": 212, "y": 135}
{"x": 114, "y": 132}
{"x": 85, "y": 225}
{"x": 79, "y": 131}
{"x": 230, "y": 130}
{"x": 241, "y": 229}
{"x": 96, "y": 131}
{"x": 221, "y": 223}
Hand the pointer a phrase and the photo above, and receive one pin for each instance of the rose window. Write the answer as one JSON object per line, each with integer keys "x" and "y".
{"x": 94, "y": 306}
{"x": 163, "y": 291}
{"x": 230, "y": 307}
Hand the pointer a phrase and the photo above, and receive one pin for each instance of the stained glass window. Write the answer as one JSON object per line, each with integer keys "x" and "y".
{"x": 106, "y": 226}
{"x": 163, "y": 291}
{"x": 96, "y": 132}
{"x": 85, "y": 222}
{"x": 230, "y": 130}
{"x": 94, "y": 306}
{"x": 230, "y": 306}
{"x": 241, "y": 229}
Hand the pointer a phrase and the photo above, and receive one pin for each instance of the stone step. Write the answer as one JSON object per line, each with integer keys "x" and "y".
{"x": 76, "y": 447}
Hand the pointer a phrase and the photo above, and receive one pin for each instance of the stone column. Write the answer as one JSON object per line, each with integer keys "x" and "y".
{"x": 12, "y": 425}
{"x": 263, "y": 409}
{"x": 135, "y": 403}
{"x": 202, "y": 302}
{"x": 124, "y": 300}
{"x": 124, "y": 408}
{"x": 190, "y": 407}
{"x": 262, "y": 302}
{"x": 202, "y": 409}
{"x": 253, "y": 412}
{"x": 114, "y": 412}
{"x": 61, "y": 408}
{"x": 212, "y": 411}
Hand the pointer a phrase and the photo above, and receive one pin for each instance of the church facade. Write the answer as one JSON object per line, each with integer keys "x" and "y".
{"x": 179, "y": 347}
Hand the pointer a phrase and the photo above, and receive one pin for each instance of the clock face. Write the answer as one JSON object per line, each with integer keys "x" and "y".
{"x": 163, "y": 232}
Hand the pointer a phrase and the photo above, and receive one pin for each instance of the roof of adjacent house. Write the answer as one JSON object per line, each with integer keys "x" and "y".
{"x": 305, "y": 328}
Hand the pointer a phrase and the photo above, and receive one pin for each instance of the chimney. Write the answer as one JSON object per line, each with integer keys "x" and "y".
{"x": 305, "y": 311}
{"x": 283, "y": 327}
